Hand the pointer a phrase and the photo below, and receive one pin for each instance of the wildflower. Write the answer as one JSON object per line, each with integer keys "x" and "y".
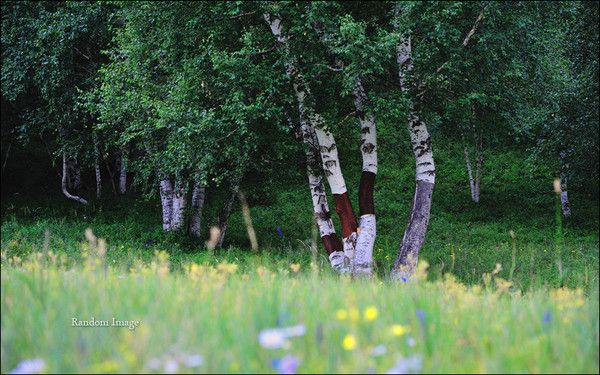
{"x": 194, "y": 360}
{"x": 295, "y": 267}
{"x": 286, "y": 365}
{"x": 29, "y": 366}
{"x": 280, "y": 232}
{"x": 410, "y": 341}
{"x": 421, "y": 315}
{"x": 405, "y": 365}
{"x": 371, "y": 313}
{"x": 399, "y": 330}
{"x": 349, "y": 342}
{"x": 171, "y": 366}
{"x": 547, "y": 317}
{"x": 379, "y": 350}
{"x": 275, "y": 338}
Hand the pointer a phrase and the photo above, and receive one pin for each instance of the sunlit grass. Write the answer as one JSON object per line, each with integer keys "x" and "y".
{"x": 207, "y": 318}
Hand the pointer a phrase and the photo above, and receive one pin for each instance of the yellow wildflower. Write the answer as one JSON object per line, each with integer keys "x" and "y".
{"x": 399, "y": 330}
{"x": 295, "y": 267}
{"x": 371, "y": 313}
{"x": 349, "y": 342}
{"x": 341, "y": 314}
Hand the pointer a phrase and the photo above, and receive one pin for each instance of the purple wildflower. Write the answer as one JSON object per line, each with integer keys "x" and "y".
{"x": 286, "y": 365}
{"x": 421, "y": 315}
{"x": 280, "y": 232}
{"x": 547, "y": 317}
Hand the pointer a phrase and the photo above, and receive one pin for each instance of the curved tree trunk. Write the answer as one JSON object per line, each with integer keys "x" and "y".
{"x": 197, "y": 204}
{"x": 65, "y": 191}
{"x": 363, "y": 260}
{"x": 414, "y": 234}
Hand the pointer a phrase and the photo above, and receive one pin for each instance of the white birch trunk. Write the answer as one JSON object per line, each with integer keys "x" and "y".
{"x": 166, "y": 200}
{"x": 309, "y": 118}
{"x": 197, "y": 203}
{"x": 65, "y": 176}
{"x": 414, "y": 234}
{"x": 97, "y": 168}
{"x": 470, "y": 173}
{"x": 248, "y": 221}
{"x": 179, "y": 205}
{"x": 564, "y": 198}
{"x": 363, "y": 261}
{"x": 122, "y": 172}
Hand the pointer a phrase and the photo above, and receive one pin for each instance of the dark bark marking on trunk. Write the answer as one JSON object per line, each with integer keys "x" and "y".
{"x": 343, "y": 207}
{"x": 365, "y": 193}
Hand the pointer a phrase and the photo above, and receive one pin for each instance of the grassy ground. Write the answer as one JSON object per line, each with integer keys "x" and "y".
{"x": 214, "y": 315}
{"x": 461, "y": 316}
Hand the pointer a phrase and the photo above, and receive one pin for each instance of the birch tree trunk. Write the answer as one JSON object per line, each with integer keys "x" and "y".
{"x": 363, "y": 261}
{"x": 564, "y": 198}
{"x": 179, "y": 204}
{"x": 414, "y": 234}
{"x": 225, "y": 212}
{"x": 97, "y": 168}
{"x": 470, "y": 173}
{"x": 122, "y": 172}
{"x": 166, "y": 200}
{"x": 65, "y": 176}
{"x": 327, "y": 147}
{"x": 479, "y": 162}
{"x": 73, "y": 174}
{"x": 197, "y": 204}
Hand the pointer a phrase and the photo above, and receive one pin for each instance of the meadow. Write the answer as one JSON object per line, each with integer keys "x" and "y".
{"x": 489, "y": 295}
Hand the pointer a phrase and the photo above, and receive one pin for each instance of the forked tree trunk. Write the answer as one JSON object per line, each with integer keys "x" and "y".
{"x": 363, "y": 259}
{"x": 197, "y": 204}
{"x": 414, "y": 234}
{"x": 225, "y": 212}
{"x": 65, "y": 190}
{"x": 166, "y": 200}
{"x": 564, "y": 198}
{"x": 326, "y": 142}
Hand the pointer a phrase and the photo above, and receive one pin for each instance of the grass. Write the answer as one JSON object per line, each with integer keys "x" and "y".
{"x": 218, "y": 312}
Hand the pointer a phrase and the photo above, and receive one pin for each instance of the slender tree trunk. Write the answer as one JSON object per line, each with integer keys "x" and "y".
{"x": 225, "y": 212}
{"x": 564, "y": 198}
{"x": 248, "y": 221}
{"x": 363, "y": 261}
{"x": 414, "y": 234}
{"x": 97, "y": 168}
{"x": 179, "y": 204}
{"x": 111, "y": 174}
{"x": 471, "y": 178}
{"x": 65, "y": 175}
{"x": 479, "y": 162}
{"x": 197, "y": 203}
{"x": 166, "y": 199}
{"x": 122, "y": 172}
{"x": 327, "y": 147}
{"x": 6, "y": 157}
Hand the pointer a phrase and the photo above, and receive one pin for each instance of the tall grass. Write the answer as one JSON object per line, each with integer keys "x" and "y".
{"x": 217, "y": 313}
